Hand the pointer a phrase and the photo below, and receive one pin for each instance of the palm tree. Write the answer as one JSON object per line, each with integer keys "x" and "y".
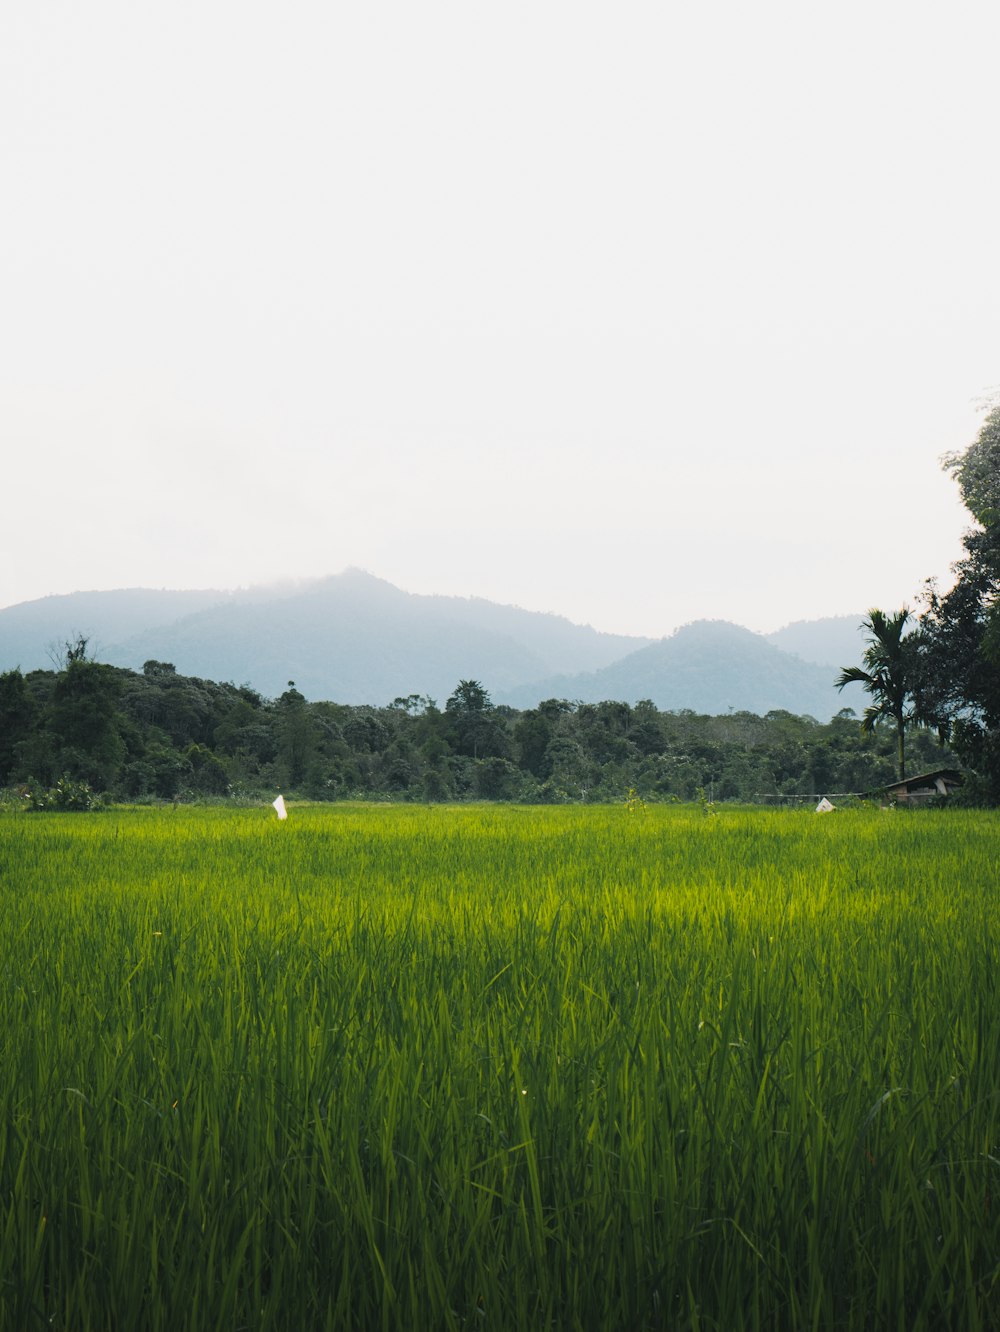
{"x": 889, "y": 676}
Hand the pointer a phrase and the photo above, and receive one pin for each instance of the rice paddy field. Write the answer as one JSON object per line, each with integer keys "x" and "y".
{"x": 497, "y": 1067}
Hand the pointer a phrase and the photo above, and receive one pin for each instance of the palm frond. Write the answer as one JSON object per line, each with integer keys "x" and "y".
{"x": 853, "y": 675}
{"x": 872, "y": 715}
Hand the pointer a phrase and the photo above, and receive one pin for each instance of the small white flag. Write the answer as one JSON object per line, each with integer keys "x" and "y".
{"x": 824, "y": 806}
{"x": 279, "y": 805}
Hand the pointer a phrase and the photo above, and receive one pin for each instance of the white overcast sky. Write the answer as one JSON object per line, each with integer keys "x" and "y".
{"x": 637, "y": 312}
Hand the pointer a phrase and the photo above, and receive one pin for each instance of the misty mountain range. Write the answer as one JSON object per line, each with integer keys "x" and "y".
{"x": 354, "y": 638}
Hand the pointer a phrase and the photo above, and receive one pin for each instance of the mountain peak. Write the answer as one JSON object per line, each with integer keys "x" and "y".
{"x": 719, "y": 630}
{"x": 353, "y": 637}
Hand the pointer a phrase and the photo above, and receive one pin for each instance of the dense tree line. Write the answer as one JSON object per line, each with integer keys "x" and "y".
{"x": 161, "y": 735}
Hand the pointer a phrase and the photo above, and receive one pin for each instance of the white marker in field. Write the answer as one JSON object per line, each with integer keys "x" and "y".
{"x": 824, "y": 806}
{"x": 279, "y": 805}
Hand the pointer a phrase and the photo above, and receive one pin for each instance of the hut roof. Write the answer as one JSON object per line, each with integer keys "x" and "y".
{"x": 923, "y": 780}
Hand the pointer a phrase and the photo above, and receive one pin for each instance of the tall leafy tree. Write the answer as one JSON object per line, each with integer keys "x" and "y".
{"x": 17, "y": 711}
{"x": 296, "y": 736}
{"x": 531, "y": 736}
{"x": 888, "y": 674}
{"x": 477, "y": 730}
{"x": 85, "y": 720}
{"x": 960, "y": 630}
{"x": 977, "y": 470}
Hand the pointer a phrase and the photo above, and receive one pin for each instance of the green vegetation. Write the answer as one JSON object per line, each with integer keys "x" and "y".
{"x": 157, "y": 735}
{"x": 888, "y": 678}
{"x": 957, "y": 687}
{"x": 459, "y": 1067}
{"x": 946, "y": 674}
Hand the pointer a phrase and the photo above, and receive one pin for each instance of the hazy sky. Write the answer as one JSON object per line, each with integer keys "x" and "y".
{"x": 636, "y": 312}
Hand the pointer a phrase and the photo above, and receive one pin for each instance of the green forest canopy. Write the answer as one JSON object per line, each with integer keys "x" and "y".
{"x": 158, "y": 734}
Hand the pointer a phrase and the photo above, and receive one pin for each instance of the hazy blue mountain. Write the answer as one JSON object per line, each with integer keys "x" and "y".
{"x": 357, "y": 639}
{"x": 710, "y": 666}
{"x": 835, "y": 641}
{"x": 30, "y": 629}
{"x": 352, "y": 637}
{"x": 563, "y": 645}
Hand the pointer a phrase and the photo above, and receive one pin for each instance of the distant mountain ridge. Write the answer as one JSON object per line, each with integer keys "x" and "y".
{"x": 350, "y": 637}
{"x": 710, "y": 666}
{"x": 834, "y": 641}
{"x": 355, "y": 638}
{"x": 31, "y": 628}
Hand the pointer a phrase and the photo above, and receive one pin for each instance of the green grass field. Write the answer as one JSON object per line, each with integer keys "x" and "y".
{"x": 489, "y": 1067}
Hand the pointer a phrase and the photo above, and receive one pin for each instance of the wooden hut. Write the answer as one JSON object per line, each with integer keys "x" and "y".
{"x": 924, "y": 786}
